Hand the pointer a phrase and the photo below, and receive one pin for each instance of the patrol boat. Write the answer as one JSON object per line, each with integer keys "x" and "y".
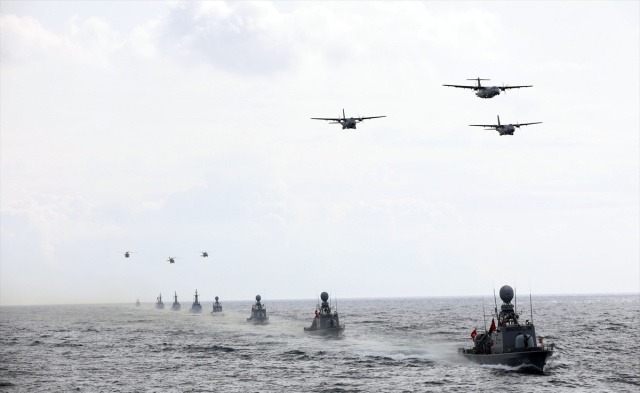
{"x": 159, "y": 304}
{"x": 137, "y": 302}
{"x": 510, "y": 343}
{"x": 325, "y": 322}
{"x": 258, "y": 312}
{"x": 217, "y": 307}
{"x": 196, "y": 307}
{"x": 176, "y": 305}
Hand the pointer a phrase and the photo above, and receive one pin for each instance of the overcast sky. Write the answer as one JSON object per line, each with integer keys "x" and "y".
{"x": 171, "y": 128}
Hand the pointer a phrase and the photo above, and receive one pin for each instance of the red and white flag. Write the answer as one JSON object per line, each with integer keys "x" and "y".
{"x": 493, "y": 325}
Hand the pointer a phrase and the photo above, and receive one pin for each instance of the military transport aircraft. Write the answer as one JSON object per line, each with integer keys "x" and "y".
{"x": 346, "y": 122}
{"x": 204, "y": 254}
{"x": 172, "y": 259}
{"x": 127, "y": 253}
{"x": 486, "y": 91}
{"x": 503, "y": 129}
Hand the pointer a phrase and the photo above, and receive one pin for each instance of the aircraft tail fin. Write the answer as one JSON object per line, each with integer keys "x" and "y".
{"x": 344, "y": 117}
{"x": 498, "y": 119}
{"x": 478, "y": 80}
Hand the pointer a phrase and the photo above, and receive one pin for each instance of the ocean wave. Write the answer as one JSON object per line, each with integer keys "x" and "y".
{"x": 213, "y": 348}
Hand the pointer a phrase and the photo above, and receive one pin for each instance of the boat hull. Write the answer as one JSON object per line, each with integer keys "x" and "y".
{"x": 330, "y": 331}
{"x": 258, "y": 321}
{"x": 529, "y": 360}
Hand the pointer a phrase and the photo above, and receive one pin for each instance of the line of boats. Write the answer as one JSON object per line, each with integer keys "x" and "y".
{"x": 507, "y": 342}
{"x": 196, "y": 307}
{"x": 325, "y": 323}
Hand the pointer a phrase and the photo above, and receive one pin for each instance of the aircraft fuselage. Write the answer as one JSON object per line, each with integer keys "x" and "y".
{"x": 488, "y": 92}
{"x": 506, "y": 129}
{"x": 348, "y": 123}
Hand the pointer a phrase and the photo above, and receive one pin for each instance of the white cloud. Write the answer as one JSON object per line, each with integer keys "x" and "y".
{"x": 25, "y": 41}
{"x": 25, "y": 38}
{"x": 239, "y": 37}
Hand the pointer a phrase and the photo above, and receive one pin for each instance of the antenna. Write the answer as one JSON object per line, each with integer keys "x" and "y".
{"x": 530, "y": 301}
{"x": 484, "y": 315}
{"x": 495, "y": 301}
{"x": 531, "y": 305}
{"x": 515, "y": 300}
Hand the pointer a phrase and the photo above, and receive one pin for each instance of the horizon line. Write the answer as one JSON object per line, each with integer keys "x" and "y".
{"x": 346, "y": 298}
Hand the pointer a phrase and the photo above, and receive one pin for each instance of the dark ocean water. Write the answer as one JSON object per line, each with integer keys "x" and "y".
{"x": 389, "y": 345}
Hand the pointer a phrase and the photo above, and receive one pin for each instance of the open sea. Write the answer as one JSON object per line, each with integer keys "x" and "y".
{"x": 389, "y": 345}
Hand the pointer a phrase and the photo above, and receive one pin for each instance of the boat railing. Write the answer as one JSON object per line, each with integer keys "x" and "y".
{"x": 547, "y": 347}
{"x": 539, "y": 347}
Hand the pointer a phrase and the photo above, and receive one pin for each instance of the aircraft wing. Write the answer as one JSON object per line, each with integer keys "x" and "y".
{"x": 326, "y": 118}
{"x": 463, "y": 87}
{"x": 370, "y": 117}
{"x": 503, "y": 88}
{"x": 483, "y": 125}
{"x": 526, "y": 124}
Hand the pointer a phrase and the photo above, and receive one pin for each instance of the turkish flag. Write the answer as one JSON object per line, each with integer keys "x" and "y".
{"x": 493, "y": 325}
{"x": 473, "y": 334}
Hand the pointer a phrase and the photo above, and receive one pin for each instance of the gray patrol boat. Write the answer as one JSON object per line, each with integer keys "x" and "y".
{"x": 196, "y": 307}
{"x": 159, "y": 304}
{"x": 509, "y": 343}
{"x": 137, "y": 302}
{"x": 176, "y": 306}
{"x": 217, "y": 307}
{"x": 325, "y": 323}
{"x": 258, "y": 312}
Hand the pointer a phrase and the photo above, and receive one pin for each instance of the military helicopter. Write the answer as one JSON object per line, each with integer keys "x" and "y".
{"x": 487, "y": 91}
{"x": 126, "y": 253}
{"x": 204, "y": 254}
{"x": 503, "y": 129}
{"x": 172, "y": 259}
{"x": 346, "y": 122}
